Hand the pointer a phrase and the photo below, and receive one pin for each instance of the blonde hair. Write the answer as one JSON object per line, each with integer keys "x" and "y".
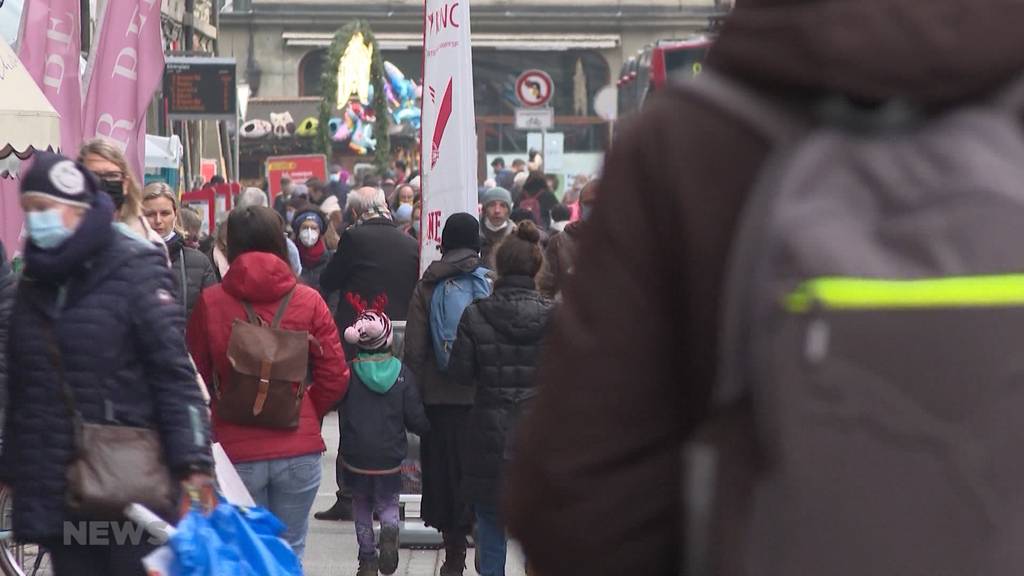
{"x": 132, "y": 208}
{"x": 160, "y": 190}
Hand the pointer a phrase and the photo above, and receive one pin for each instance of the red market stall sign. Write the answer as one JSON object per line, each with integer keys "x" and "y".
{"x": 212, "y": 203}
{"x": 298, "y": 168}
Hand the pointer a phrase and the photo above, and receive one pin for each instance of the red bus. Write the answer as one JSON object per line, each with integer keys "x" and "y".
{"x": 655, "y": 66}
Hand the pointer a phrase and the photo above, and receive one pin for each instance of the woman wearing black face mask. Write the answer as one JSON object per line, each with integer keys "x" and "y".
{"x": 107, "y": 162}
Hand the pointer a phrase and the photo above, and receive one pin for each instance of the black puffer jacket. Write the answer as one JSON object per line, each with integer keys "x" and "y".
{"x": 121, "y": 340}
{"x": 497, "y": 351}
{"x": 193, "y": 271}
{"x": 374, "y": 422}
{"x": 7, "y": 286}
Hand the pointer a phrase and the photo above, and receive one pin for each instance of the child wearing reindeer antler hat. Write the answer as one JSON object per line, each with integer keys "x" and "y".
{"x": 382, "y": 402}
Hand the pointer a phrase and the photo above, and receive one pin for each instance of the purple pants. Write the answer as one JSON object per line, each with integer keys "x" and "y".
{"x": 373, "y": 494}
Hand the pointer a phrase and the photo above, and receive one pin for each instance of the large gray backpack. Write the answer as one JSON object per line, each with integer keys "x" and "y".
{"x": 869, "y": 419}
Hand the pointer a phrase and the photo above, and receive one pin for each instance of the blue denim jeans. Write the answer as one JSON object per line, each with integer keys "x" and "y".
{"x": 287, "y": 487}
{"x": 491, "y": 545}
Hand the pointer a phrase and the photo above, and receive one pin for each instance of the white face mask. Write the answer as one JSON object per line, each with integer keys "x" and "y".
{"x": 492, "y": 227}
{"x": 308, "y": 237}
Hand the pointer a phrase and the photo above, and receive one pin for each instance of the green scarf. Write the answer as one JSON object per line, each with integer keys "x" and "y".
{"x": 378, "y": 371}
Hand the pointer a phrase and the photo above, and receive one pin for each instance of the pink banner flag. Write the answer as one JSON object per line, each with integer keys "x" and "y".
{"x": 11, "y": 217}
{"x": 126, "y": 65}
{"x": 49, "y": 48}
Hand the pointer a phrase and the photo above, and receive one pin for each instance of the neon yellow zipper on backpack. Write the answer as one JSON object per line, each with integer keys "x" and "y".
{"x": 843, "y": 293}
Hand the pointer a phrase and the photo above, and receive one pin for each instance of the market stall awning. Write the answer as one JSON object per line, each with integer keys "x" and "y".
{"x": 163, "y": 151}
{"x": 27, "y": 121}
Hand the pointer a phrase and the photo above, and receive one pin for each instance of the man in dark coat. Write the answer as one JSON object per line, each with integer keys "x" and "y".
{"x": 596, "y": 489}
{"x": 374, "y": 257}
{"x": 496, "y": 225}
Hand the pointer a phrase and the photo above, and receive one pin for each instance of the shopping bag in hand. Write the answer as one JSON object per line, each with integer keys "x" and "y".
{"x": 232, "y": 540}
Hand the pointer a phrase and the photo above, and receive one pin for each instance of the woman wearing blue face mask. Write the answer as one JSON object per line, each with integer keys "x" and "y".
{"x": 96, "y": 336}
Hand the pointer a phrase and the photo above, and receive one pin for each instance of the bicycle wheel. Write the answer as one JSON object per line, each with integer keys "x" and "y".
{"x": 16, "y": 558}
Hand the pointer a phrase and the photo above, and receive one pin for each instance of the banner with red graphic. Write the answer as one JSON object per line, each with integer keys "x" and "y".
{"x": 448, "y": 171}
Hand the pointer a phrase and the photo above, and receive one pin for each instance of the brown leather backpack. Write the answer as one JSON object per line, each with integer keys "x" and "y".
{"x": 268, "y": 372}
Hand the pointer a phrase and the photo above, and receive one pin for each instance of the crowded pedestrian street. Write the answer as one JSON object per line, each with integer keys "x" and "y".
{"x": 496, "y": 288}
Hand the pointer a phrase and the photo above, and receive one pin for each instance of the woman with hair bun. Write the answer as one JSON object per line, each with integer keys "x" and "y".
{"x": 497, "y": 351}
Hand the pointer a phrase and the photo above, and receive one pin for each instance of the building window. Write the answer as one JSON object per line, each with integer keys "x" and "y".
{"x": 311, "y": 70}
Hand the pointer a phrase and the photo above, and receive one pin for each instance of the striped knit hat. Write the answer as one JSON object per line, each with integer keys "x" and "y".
{"x": 372, "y": 328}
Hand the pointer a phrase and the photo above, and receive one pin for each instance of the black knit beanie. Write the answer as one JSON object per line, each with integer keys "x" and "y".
{"x": 461, "y": 230}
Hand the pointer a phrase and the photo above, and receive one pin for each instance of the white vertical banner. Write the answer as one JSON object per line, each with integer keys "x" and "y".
{"x": 448, "y": 172}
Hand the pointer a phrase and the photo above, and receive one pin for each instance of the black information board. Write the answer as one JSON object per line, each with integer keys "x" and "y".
{"x": 200, "y": 87}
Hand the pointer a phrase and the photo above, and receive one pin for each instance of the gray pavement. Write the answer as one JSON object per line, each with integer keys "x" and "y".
{"x": 331, "y": 546}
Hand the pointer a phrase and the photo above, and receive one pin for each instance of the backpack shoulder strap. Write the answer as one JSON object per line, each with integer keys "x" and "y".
{"x": 250, "y": 313}
{"x": 781, "y": 127}
{"x": 769, "y": 118}
{"x": 282, "y": 308}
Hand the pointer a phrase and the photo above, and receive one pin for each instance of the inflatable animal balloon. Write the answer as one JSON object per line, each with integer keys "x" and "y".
{"x": 332, "y": 126}
{"x": 362, "y": 139}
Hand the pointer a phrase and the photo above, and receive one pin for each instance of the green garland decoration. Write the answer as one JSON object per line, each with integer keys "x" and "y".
{"x": 329, "y": 82}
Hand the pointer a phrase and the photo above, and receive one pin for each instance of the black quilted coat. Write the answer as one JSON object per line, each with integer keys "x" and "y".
{"x": 497, "y": 350}
{"x": 193, "y": 273}
{"x": 120, "y": 331}
{"x": 7, "y": 285}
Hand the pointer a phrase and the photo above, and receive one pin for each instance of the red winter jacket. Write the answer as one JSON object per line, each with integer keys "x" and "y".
{"x": 263, "y": 279}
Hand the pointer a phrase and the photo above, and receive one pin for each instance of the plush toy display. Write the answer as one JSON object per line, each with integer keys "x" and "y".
{"x": 355, "y": 123}
{"x": 254, "y": 129}
{"x": 308, "y": 127}
{"x": 283, "y": 124}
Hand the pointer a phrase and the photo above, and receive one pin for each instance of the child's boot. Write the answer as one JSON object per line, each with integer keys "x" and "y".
{"x": 367, "y": 567}
{"x": 388, "y": 547}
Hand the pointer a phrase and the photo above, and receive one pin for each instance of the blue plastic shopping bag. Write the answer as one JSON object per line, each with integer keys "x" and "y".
{"x": 232, "y": 541}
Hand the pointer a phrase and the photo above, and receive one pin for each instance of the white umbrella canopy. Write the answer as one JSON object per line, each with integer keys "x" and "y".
{"x": 27, "y": 120}
{"x": 163, "y": 152}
